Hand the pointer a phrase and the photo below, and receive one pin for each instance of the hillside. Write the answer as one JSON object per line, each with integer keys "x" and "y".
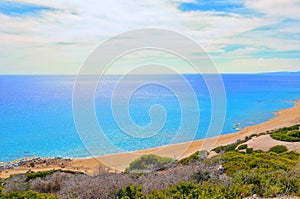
{"x": 237, "y": 171}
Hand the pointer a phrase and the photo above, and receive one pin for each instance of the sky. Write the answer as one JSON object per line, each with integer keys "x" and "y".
{"x": 240, "y": 36}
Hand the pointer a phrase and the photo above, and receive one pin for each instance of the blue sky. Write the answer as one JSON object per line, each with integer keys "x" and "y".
{"x": 55, "y": 37}
{"x": 20, "y": 9}
{"x": 217, "y": 6}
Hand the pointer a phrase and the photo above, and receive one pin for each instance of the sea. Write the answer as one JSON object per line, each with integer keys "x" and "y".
{"x": 37, "y": 112}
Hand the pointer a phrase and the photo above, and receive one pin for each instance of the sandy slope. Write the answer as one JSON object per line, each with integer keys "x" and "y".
{"x": 265, "y": 142}
{"x": 119, "y": 162}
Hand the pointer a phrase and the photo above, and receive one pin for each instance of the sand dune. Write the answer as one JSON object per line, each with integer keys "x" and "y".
{"x": 265, "y": 142}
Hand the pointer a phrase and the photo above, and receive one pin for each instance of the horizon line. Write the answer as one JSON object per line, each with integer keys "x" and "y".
{"x": 144, "y": 74}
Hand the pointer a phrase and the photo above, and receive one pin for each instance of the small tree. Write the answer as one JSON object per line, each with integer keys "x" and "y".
{"x": 148, "y": 163}
{"x": 278, "y": 149}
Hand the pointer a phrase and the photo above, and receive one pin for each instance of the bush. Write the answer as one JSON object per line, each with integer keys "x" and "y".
{"x": 39, "y": 174}
{"x": 235, "y": 161}
{"x": 267, "y": 174}
{"x": 16, "y": 183}
{"x": 42, "y": 174}
{"x": 285, "y": 129}
{"x": 278, "y": 149}
{"x": 253, "y": 135}
{"x": 230, "y": 147}
{"x": 194, "y": 157}
{"x": 243, "y": 146}
{"x": 289, "y": 136}
{"x": 207, "y": 190}
{"x": 148, "y": 162}
{"x": 131, "y": 192}
{"x": 42, "y": 181}
{"x": 28, "y": 194}
{"x": 258, "y": 151}
{"x": 249, "y": 150}
{"x": 51, "y": 184}
{"x": 233, "y": 146}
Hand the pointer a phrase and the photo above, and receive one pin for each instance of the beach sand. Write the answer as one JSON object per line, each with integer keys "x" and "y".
{"x": 118, "y": 162}
{"x": 286, "y": 117}
{"x": 265, "y": 142}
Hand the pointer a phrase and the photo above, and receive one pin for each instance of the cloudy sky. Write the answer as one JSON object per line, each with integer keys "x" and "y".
{"x": 240, "y": 36}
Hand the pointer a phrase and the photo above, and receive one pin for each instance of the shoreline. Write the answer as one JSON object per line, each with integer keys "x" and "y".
{"x": 118, "y": 162}
{"x": 282, "y": 118}
{"x": 275, "y": 115}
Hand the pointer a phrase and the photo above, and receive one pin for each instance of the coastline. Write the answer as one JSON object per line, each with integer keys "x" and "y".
{"x": 283, "y": 118}
{"x": 118, "y": 162}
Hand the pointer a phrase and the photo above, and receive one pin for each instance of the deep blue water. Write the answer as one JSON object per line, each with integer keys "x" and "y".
{"x": 36, "y": 117}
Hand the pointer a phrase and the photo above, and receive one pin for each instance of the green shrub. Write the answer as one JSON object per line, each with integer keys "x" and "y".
{"x": 258, "y": 151}
{"x": 235, "y": 161}
{"x": 194, "y": 157}
{"x": 278, "y": 149}
{"x": 156, "y": 194}
{"x": 264, "y": 174}
{"x": 230, "y": 147}
{"x": 291, "y": 155}
{"x": 39, "y": 174}
{"x": 191, "y": 158}
{"x": 201, "y": 176}
{"x": 42, "y": 174}
{"x": 242, "y": 146}
{"x": 131, "y": 192}
{"x": 148, "y": 162}
{"x": 285, "y": 129}
{"x": 29, "y": 195}
{"x": 249, "y": 150}
{"x": 247, "y": 138}
{"x": 253, "y": 135}
{"x": 289, "y": 136}
{"x": 233, "y": 146}
{"x": 207, "y": 190}
{"x": 267, "y": 174}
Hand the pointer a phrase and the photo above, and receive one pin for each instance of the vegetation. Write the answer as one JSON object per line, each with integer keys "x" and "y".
{"x": 253, "y": 135}
{"x": 230, "y": 147}
{"x": 42, "y": 174}
{"x": 242, "y": 147}
{"x": 249, "y": 150}
{"x": 28, "y": 194}
{"x": 266, "y": 174}
{"x": 228, "y": 175}
{"x": 268, "y": 161}
{"x": 278, "y": 149}
{"x": 194, "y": 157}
{"x": 131, "y": 192}
{"x": 233, "y": 146}
{"x": 288, "y": 134}
{"x": 148, "y": 162}
{"x": 191, "y": 190}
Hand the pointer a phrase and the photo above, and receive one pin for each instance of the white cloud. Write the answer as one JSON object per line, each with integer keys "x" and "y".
{"x": 65, "y": 37}
{"x": 276, "y": 8}
{"x": 255, "y": 65}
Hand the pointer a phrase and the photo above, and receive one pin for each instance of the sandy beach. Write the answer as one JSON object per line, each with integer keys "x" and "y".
{"x": 118, "y": 162}
{"x": 286, "y": 117}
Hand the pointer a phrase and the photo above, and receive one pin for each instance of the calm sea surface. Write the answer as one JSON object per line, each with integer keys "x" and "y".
{"x": 36, "y": 117}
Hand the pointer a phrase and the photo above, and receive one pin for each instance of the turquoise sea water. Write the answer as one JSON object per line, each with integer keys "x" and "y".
{"x": 36, "y": 117}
